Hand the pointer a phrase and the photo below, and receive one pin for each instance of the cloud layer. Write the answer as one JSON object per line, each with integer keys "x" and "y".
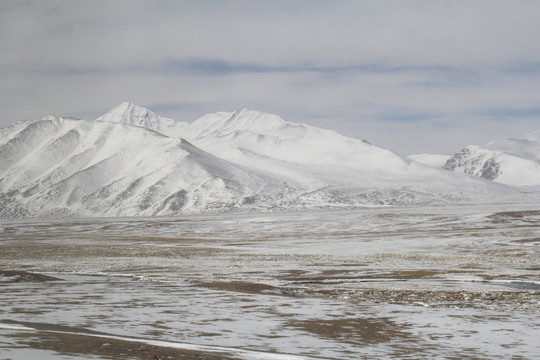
{"x": 412, "y": 76}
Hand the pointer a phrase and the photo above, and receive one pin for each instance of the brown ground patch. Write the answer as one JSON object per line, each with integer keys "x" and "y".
{"x": 525, "y": 300}
{"x": 73, "y": 251}
{"x": 245, "y": 287}
{"x": 526, "y": 241}
{"x": 70, "y": 344}
{"x": 346, "y": 274}
{"x": 510, "y": 216}
{"x": 51, "y": 337}
{"x": 356, "y": 331}
{"x": 11, "y": 276}
{"x": 510, "y": 300}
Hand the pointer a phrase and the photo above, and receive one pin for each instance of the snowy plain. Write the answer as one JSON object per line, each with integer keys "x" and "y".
{"x": 455, "y": 281}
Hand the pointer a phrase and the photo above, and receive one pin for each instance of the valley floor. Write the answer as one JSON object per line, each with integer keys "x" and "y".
{"x": 459, "y": 281}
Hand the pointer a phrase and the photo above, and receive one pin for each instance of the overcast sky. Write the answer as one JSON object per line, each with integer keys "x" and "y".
{"x": 412, "y": 76}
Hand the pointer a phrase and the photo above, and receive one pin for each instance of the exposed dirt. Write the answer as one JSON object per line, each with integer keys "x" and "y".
{"x": 63, "y": 340}
{"x": 354, "y": 274}
{"x": 354, "y": 330}
{"x": 527, "y": 216}
{"x": 31, "y": 249}
{"x": 11, "y": 276}
{"x": 246, "y": 287}
{"x": 75, "y": 344}
{"x": 525, "y": 300}
{"x": 510, "y": 300}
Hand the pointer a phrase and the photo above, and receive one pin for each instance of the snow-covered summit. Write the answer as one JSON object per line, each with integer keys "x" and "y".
{"x": 130, "y": 114}
{"x": 231, "y": 123}
{"x": 251, "y": 138}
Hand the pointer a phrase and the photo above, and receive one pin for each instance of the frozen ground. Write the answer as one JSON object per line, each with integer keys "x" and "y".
{"x": 459, "y": 281}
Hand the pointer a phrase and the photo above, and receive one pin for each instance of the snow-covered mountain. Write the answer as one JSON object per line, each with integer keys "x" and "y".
{"x": 59, "y": 166}
{"x": 298, "y": 151}
{"x": 267, "y": 143}
{"x": 132, "y": 162}
{"x": 513, "y": 162}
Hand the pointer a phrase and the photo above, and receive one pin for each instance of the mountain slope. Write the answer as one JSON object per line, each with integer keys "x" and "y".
{"x": 58, "y": 166}
{"x": 513, "y": 162}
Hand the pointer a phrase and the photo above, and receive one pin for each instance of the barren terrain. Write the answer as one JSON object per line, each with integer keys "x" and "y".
{"x": 451, "y": 282}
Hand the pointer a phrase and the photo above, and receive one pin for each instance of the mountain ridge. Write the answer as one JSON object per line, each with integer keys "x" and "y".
{"x": 129, "y": 113}
{"x": 121, "y": 165}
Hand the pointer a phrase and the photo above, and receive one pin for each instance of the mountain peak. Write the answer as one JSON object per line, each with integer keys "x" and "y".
{"x": 131, "y": 114}
{"x": 127, "y": 106}
{"x": 127, "y": 113}
{"x": 243, "y": 110}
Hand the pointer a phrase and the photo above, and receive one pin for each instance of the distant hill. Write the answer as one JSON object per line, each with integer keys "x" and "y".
{"x": 513, "y": 162}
